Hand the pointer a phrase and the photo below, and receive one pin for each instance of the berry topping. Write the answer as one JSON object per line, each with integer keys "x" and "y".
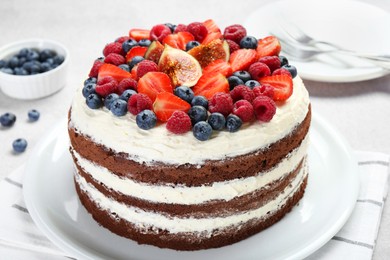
{"x": 264, "y": 90}
{"x": 197, "y": 114}
{"x": 172, "y": 27}
{"x": 252, "y": 83}
{"x": 136, "y": 51}
{"x": 93, "y": 101}
{"x": 200, "y": 101}
{"x": 153, "y": 83}
{"x": 19, "y": 145}
{"x": 283, "y": 60}
{"x": 242, "y": 59}
{"x": 281, "y": 71}
{"x": 233, "y": 46}
{"x": 122, "y": 39}
{"x": 154, "y": 51}
{"x": 106, "y": 86}
{"x": 7, "y": 119}
{"x": 113, "y": 47}
{"x": 291, "y": 69}
{"x": 95, "y": 68}
{"x": 180, "y": 28}
{"x": 207, "y": 53}
{"x": 179, "y": 123}
{"x": 202, "y": 131}
{"x": 184, "y": 93}
{"x": 259, "y": 70}
{"x": 146, "y": 66}
{"x": 139, "y": 34}
{"x": 191, "y": 44}
{"x": 198, "y": 30}
{"x": 179, "y": 40}
{"x": 234, "y": 81}
{"x": 248, "y": 42}
{"x": 211, "y": 26}
{"x": 220, "y": 66}
{"x": 109, "y": 99}
{"x": 138, "y": 102}
{"x": 159, "y": 32}
{"x": 127, "y": 94}
{"x": 268, "y": 46}
{"x": 244, "y": 110}
{"x": 243, "y": 75}
{"x": 146, "y": 119}
{"x": 234, "y": 32}
{"x": 264, "y": 108}
{"x": 134, "y": 61}
{"x": 127, "y": 83}
{"x": 144, "y": 42}
{"x": 242, "y": 92}
{"x": 233, "y": 123}
{"x": 217, "y": 121}
{"x": 212, "y": 36}
{"x": 272, "y": 62}
{"x": 209, "y": 84}
{"x": 115, "y": 59}
{"x": 113, "y": 71}
{"x": 89, "y": 88}
{"x": 128, "y": 45}
{"x": 166, "y": 104}
{"x": 282, "y": 84}
{"x": 124, "y": 67}
{"x": 118, "y": 107}
{"x": 222, "y": 103}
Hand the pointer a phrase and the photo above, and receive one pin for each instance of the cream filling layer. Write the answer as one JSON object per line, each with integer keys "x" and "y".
{"x": 121, "y": 134}
{"x": 145, "y": 219}
{"x": 225, "y": 190}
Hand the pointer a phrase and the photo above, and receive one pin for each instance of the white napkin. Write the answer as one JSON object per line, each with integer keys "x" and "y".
{"x": 356, "y": 240}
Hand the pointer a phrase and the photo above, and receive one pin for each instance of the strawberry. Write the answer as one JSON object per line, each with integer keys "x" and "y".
{"x": 136, "y": 51}
{"x": 283, "y": 86}
{"x": 241, "y": 59}
{"x": 113, "y": 71}
{"x": 166, "y": 104}
{"x": 211, "y": 37}
{"x": 178, "y": 40}
{"x": 211, "y": 83}
{"x": 220, "y": 66}
{"x": 153, "y": 83}
{"x": 139, "y": 34}
{"x": 211, "y": 26}
{"x": 268, "y": 46}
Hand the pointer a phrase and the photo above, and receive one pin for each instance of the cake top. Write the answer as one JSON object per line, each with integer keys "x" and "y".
{"x": 191, "y": 78}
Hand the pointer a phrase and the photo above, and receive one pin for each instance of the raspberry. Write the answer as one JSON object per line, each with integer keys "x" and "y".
{"x": 179, "y": 123}
{"x": 244, "y": 110}
{"x": 104, "y": 80}
{"x": 259, "y": 70}
{"x": 122, "y": 39}
{"x": 127, "y": 83}
{"x": 242, "y": 92}
{"x": 159, "y": 32}
{"x": 95, "y": 68}
{"x": 113, "y": 47}
{"x": 273, "y": 62}
{"x": 181, "y": 28}
{"x": 146, "y": 66}
{"x": 235, "y": 33}
{"x": 233, "y": 46}
{"x": 281, "y": 71}
{"x": 264, "y": 90}
{"x": 264, "y": 108}
{"x": 139, "y": 102}
{"x": 221, "y": 102}
{"x": 106, "y": 86}
{"x": 115, "y": 59}
{"x": 198, "y": 30}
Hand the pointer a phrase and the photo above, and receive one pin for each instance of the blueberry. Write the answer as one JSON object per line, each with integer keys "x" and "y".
{"x": 22, "y": 60}
{"x": 234, "y": 81}
{"x": 7, "y": 70}
{"x": 127, "y": 45}
{"x": 243, "y": 75}
{"x": 20, "y": 71}
{"x": 110, "y": 99}
{"x": 88, "y": 89}
{"x": 23, "y": 53}
{"x": 127, "y": 94}
{"x": 202, "y": 131}
{"x": 233, "y": 123}
{"x": 3, "y": 64}
{"x": 32, "y": 55}
{"x": 7, "y": 119}
{"x": 283, "y": 60}
{"x": 192, "y": 44}
{"x": 252, "y": 83}
{"x": 172, "y": 27}
{"x": 35, "y": 68}
{"x": 217, "y": 121}
{"x": 19, "y": 145}
{"x": 45, "y": 54}
{"x": 144, "y": 42}
{"x": 50, "y": 61}
{"x": 197, "y": 114}
{"x": 119, "y": 107}
{"x": 291, "y": 69}
{"x": 58, "y": 59}
{"x": 33, "y": 115}
{"x": 184, "y": 93}
{"x": 146, "y": 119}
{"x": 45, "y": 66}
{"x": 94, "y": 101}
{"x": 90, "y": 80}
{"x": 200, "y": 101}
{"x": 27, "y": 65}
{"x": 13, "y": 62}
{"x": 135, "y": 60}
{"x": 248, "y": 42}
{"x": 125, "y": 67}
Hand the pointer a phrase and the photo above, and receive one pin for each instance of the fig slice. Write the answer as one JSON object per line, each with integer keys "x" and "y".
{"x": 182, "y": 68}
{"x": 154, "y": 51}
{"x": 207, "y": 53}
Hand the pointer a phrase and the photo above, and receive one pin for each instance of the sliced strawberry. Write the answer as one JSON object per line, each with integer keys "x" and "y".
{"x": 139, "y": 34}
{"x": 113, "y": 71}
{"x": 211, "y": 83}
{"x": 211, "y": 37}
{"x": 166, "y": 103}
{"x": 268, "y": 46}
{"x": 220, "y": 66}
{"x": 178, "y": 40}
{"x": 136, "y": 51}
{"x": 241, "y": 59}
{"x": 153, "y": 83}
{"x": 211, "y": 26}
{"x": 283, "y": 86}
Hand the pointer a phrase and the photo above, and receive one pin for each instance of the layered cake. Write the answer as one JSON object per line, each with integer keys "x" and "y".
{"x": 190, "y": 137}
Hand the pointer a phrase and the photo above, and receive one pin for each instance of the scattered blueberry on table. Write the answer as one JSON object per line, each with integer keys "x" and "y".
{"x": 19, "y": 145}
{"x": 7, "y": 119}
{"x": 33, "y": 115}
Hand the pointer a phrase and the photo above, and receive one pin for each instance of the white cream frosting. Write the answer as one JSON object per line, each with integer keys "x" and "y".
{"x": 157, "y": 144}
{"x": 144, "y": 219}
{"x": 225, "y": 190}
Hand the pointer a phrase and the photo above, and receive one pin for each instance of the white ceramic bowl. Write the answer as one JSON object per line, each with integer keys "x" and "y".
{"x": 38, "y": 85}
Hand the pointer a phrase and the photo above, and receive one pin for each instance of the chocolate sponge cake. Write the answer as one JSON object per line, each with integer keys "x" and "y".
{"x": 183, "y": 163}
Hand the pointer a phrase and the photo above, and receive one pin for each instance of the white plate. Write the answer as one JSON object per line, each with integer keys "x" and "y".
{"x": 329, "y": 199}
{"x": 354, "y": 25}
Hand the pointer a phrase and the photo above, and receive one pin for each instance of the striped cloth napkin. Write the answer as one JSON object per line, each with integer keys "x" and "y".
{"x": 21, "y": 239}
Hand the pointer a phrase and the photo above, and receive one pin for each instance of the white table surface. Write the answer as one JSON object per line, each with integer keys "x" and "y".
{"x": 360, "y": 111}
